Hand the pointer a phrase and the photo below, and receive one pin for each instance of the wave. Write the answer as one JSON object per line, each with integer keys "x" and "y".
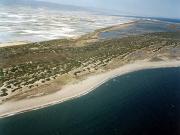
{"x": 20, "y": 23}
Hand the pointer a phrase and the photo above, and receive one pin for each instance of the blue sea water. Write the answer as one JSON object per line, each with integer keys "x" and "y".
{"x": 169, "y": 20}
{"x": 145, "y": 102}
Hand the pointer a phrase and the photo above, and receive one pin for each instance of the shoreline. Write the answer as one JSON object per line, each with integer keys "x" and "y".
{"x": 95, "y": 33}
{"x": 15, "y": 43}
{"x": 72, "y": 91}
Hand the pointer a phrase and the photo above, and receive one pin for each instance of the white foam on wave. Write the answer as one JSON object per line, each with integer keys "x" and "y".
{"x": 41, "y": 24}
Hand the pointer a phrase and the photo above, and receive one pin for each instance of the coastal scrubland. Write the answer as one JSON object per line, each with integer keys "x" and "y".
{"x": 26, "y": 68}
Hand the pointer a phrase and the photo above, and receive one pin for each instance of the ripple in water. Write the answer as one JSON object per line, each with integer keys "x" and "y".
{"x": 18, "y": 23}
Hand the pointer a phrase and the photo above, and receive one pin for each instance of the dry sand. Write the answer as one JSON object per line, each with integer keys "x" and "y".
{"x": 12, "y": 43}
{"x": 79, "y": 89}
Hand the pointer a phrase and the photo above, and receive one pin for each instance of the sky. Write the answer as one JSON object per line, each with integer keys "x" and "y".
{"x": 152, "y": 8}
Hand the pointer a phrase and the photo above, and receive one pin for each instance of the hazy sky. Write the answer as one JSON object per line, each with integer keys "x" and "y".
{"x": 158, "y": 8}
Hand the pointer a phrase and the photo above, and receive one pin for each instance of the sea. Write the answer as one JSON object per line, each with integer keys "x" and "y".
{"x": 145, "y": 102}
{"x": 33, "y": 23}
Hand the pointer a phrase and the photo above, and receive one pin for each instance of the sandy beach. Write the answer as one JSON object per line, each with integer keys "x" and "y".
{"x": 81, "y": 88}
{"x": 8, "y": 44}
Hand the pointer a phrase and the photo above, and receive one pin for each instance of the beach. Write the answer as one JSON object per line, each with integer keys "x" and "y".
{"x": 9, "y": 44}
{"x": 78, "y": 89}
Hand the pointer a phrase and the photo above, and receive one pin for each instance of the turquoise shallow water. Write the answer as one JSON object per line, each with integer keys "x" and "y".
{"x": 141, "y": 103}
